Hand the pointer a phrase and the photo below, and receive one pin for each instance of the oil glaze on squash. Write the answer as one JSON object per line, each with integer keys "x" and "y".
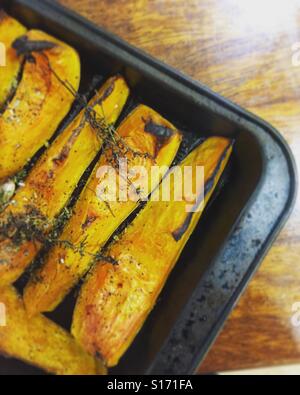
{"x": 40, "y": 342}
{"x": 94, "y": 220}
{"x": 52, "y": 180}
{"x": 10, "y": 30}
{"x": 40, "y": 103}
{"x": 116, "y": 299}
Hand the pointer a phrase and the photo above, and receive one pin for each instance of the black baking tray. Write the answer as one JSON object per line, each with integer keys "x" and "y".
{"x": 235, "y": 231}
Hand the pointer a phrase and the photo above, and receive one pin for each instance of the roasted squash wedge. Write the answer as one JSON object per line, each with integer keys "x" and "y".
{"x": 116, "y": 298}
{"x": 10, "y": 30}
{"x": 40, "y": 103}
{"x": 150, "y": 140}
{"x": 51, "y": 182}
{"x": 40, "y": 342}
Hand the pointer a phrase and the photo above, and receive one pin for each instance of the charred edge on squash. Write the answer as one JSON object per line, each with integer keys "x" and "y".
{"x": 162, "y": 133}
{"x": 180, "y": 231}
{"x": 14, "y": 87}
{"x": 105, "y": 95}
{"x": 24, "y": 46}
{"x": 104, "y": 131}
{"x": 108, "y": 91}
{"x": 61, "y": 158}
{"x": 88, "y": 221}
{"x": 66, "y": 149}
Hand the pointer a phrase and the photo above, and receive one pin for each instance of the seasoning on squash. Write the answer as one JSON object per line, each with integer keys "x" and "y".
{"x": 115, "y": 300}
{"x": 40, "y": 103}
{"x": 95, "y": 220}
{"x": 27, "y": 221}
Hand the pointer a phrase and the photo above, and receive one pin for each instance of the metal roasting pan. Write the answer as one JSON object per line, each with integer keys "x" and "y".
{"x": 237, "y": 228}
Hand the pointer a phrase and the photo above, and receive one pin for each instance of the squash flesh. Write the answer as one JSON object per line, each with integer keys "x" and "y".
{"x": 115, "y": 300}
{"x": 51, "y": 182}
{"x": 93, "y": 221}
{"x": 39, "y": 105}
{"x": 10, "y": 30}
{"x": 40, "y": 342}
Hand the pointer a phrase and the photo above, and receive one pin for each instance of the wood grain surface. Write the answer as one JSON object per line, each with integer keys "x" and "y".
{"x": 247, "y": 50}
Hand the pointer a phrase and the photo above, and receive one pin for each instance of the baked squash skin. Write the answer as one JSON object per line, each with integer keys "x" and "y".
{"x": 95, "y": 220}
{"x": 40, "y": 342}
{"x": 116, "y": 299}
{"x": 10, "y": 30}
{"x": 39, "y": 105}
{"x": 52, "y": 180}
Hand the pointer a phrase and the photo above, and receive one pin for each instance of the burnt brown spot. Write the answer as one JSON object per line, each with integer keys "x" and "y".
{"x": 50, "y": 174}
{"x": 24, "y": 46}
{"x": 62, "y": 156}
{"x": 180, "y": 231}
{"x": 64, "y": 153}
{"x": 89, "y": 220}
{"x": 161, "y": 133}
{"x": 108, "y": 91}
{"x": 89, "y": 309}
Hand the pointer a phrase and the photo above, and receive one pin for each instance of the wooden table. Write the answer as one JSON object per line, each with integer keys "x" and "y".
{"x": 246, "y": 50}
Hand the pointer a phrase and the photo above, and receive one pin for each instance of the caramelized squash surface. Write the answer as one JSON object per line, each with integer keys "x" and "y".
{"x": 10, "y": 30}
{"x": 116, "y": 298}
{"x": 94, "y": 220}
{"x": 40, "y": 103}
{"x": 40, "y": 342}
{"x": 51, "y": 182}
{"x": 121, "y": 288}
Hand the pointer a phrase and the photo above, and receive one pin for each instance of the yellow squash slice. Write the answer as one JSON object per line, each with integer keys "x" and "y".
{"x": 116, "y": 298}
{"x": 40, "y": 342}
{"x": 10, "y": 30}
{"x": 51, "y": 182}
{"x": 149, "y": 140}
{"x": 40, "y": 103}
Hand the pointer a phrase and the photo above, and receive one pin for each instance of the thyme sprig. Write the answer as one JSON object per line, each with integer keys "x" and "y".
{"x": 33, "y": 226}
{"x": 105, "y": 131}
